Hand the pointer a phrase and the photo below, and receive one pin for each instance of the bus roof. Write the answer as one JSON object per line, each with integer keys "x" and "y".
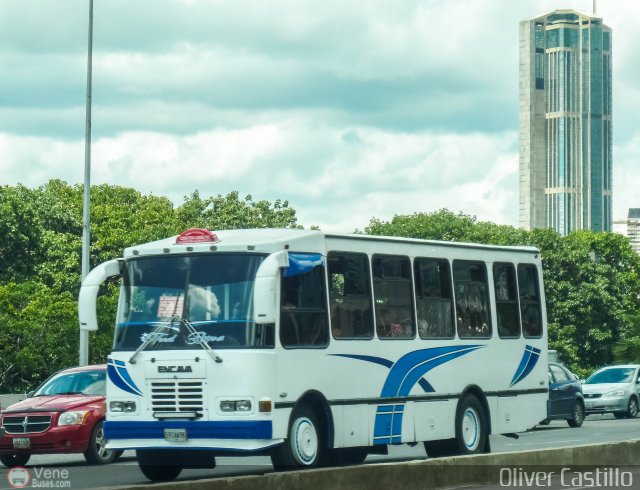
{"x": 269, "y": 240}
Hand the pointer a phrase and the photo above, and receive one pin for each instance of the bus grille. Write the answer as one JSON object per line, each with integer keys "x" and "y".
{"x": 177, "y": 396}
{"x": 26, "y": 424}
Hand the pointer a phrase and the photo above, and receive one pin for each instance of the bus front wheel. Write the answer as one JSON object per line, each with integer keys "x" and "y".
{"x": 304, "y": 443}
{"x": 471, "y": 426}
{"x": 155, "y": 468}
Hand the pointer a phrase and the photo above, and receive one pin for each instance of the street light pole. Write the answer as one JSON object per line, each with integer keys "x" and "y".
{"x": 84, "y": 335}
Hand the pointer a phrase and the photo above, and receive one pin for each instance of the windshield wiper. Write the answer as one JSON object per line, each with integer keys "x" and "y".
{"x": 200, "y": 340}
{"x": 151, "y": 338}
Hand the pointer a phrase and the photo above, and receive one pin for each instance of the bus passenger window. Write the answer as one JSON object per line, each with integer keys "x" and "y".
{"x": 393, "y": 295}
{"x": 529, "y": 300}
{"x": 472, "y": 299}
{"x": 434, "y": 300}
{"x": 303, "y": 314}
{"x": 504, "y": 280}
{"x": 350, "y": 296}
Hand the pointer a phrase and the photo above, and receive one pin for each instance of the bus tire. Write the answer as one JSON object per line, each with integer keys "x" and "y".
{"x": 471, "y": 426}
{"x": 11, "y": 460}
{"x": 304, "y": 445}
{"x": 156, "y": 469}
{"x": 345, "y": 456}
{"x": 441, "y": 448}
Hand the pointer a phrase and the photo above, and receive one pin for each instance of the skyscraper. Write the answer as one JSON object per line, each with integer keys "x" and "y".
{"x": 565, "y": 122}
{"x": 633, "y": 228}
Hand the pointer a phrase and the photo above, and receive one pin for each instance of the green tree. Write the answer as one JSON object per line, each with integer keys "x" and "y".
{"x": 230, "y": 212}
{"x": 40, "y": 263}
{"x": 39, "y": 334}
{"x": 627, "y": 349}
{"x": 21, "y": 234}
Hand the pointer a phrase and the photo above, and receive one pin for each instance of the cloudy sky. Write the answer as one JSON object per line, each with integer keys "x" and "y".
{"x": 348, "y": 109}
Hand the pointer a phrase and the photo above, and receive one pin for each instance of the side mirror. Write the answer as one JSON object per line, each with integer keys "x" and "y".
{"x": 30, "y": 394}
{"x": 89, "y": 293}
{"x": 264, "y": 293}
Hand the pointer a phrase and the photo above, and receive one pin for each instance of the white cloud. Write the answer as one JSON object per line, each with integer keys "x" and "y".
{"x": 349, "y": 110}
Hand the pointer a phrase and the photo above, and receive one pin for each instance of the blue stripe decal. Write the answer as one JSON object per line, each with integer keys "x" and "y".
{"x": 406, "y": 372}
{"x": 527, "y": 363}
{"x": 119, "y": 376}
{"x": 259, "y": 429}
{"x": 403, "y": 375}
{"x": 376, "y": 360}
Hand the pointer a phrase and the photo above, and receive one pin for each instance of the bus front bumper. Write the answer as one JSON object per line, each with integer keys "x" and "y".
{"x": 245, "y": 435}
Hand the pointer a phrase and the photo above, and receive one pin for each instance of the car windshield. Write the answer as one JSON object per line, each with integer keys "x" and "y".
{"x": 79, "y": 382}
{"x": 163, "y": 297}
{"x": 612, "y": 375}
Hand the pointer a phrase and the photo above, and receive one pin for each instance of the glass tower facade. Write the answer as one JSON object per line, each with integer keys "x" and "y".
{"x": 565, "y": 122}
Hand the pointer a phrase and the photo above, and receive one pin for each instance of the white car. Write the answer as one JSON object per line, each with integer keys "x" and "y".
{"x": 613, "y": 389}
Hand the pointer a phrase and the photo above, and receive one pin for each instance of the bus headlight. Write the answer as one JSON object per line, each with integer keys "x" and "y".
{"x": 126, "y": 406}
{"x": 235, "y": 406}
{"x": 75, "y": 417}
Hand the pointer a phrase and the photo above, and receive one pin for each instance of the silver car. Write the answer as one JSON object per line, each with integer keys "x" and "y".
{"x": 614, "y": 389}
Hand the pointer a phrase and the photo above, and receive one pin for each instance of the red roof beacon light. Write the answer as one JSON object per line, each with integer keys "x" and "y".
{"x": 197, "y": 235}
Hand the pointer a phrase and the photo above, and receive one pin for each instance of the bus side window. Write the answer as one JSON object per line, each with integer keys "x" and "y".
{"x": 529, "y": 300}
{"x": 434, "y": 300}
{"x": 393, "y": 293}
{"x": 504, "y": 281}
{"x": 350, "y": 295}
{"x": 472, "y": 299}
{"x": 303, "y": 313}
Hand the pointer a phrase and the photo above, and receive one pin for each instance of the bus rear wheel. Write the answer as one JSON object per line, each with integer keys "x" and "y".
{"x": 303, "y": 447}
{"x": 440, "y": 449}
{"x": 471, "y": 427}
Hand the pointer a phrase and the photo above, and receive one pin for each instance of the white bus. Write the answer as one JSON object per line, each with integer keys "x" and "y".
{"x": 318, "y": 348}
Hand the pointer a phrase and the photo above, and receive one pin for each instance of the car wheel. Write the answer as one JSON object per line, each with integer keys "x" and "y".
{"x": 97, "y": 452}
{"x": 578, "y": 415}
{"x": 632, "y": 410}
{"x": 156, "y": 468}
{"x": 304, "y": 444}
{"x": 11, "y": 460}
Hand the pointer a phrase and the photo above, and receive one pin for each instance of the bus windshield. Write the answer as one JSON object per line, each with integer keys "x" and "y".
{"x": 213, "y": 292}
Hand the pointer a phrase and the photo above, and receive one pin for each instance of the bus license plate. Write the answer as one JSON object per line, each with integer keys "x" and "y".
{"x": 175, "y": 435}
{"x": 21, "y": 443}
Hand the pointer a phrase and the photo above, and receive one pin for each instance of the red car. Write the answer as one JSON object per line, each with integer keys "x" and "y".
{"x": 64, "y": 415}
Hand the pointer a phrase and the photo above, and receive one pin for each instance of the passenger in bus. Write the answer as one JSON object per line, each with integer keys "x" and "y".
{"x": 530, "y": 321}
{"x": 203, "y": 304}
{"x": 336, "y": 321}
{"x": 389, "y": 326}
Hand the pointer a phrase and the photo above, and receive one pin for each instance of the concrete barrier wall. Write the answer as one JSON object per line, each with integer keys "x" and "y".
{"x": 422, "y": 474}
{"x": 7, "y": 400}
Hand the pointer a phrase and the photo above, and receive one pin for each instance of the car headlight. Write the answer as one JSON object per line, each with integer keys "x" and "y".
{"x": 126, "y": 406}
{"x": 75, "y": 417}
{"x": 614, "y": 393}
